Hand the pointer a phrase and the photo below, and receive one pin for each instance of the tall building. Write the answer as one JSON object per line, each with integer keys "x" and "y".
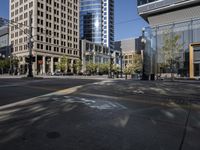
{"x": 55, "y": 30}
{"x": 174, "y": 17}
{"x": 5, "y": 49}
{"x": 97, "y": 21}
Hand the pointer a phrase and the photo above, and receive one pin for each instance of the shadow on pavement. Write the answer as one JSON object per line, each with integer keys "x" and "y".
{"x": 67, "y": 120}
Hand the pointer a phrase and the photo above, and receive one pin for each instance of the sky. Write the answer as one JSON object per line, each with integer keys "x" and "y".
{"x": 127, "y": 22}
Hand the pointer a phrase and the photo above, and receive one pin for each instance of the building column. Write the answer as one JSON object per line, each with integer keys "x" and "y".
{"x": 93, "y": 59}
{"x": 52, "y": 65}
{"x": 83, "y": 62}
{"x": 43, "y": 64}
{"x": 59, "y": 59}
{"x": 35, "y": 66}
{"x": 72, "y": 64}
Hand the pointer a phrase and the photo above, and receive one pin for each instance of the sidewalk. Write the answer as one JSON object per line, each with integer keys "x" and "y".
{"x": 7, "y": 76}
{"x": 103, "y": 77}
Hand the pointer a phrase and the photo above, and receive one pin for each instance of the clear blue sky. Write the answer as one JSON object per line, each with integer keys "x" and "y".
{"x": 126, "y": 24}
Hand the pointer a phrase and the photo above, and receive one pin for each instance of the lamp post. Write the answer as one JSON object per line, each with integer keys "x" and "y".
{"x": 9, "y": 64}
{"x": 10, "y": 57}
{"x": 30, "y": 46}
{"x": 121, "y": 64}
{"x": 143, "y": 42}
{"x": 110, "y": 70}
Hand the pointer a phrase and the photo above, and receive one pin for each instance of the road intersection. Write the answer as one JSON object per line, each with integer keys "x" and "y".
{"x": 99, "y": 115}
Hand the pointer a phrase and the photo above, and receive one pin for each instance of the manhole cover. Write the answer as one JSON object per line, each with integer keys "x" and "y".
{"x": 53, "y": 135}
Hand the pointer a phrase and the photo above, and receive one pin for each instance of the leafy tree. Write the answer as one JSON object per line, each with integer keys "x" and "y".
{"x": 115, "y": 68}
{"x": 91, "y": 68}
{"x": 135, "y": 66}
{"x": 63, "y": 65}
{"x": 169, "y": 51}
{"x": 128, "y": 70}
{"x": 137, "y": 63}
{"x": 103, "y": 68}
{"x": 78, "y": 66}
{"x": 4, "y": 63}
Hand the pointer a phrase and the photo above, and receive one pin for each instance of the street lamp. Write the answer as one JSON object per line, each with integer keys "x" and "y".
{"x": 110, "y": 70}
{"x": 10, "y": 64}
{"x": 30, "y": 47}
{"x": 121, "y": 63}
{"x": 143, "y": 42}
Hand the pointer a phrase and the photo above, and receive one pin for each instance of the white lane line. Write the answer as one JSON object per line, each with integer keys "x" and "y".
{"x": 94, "y": 103}
{"x": 40, "y": 98}
{"x": 165, "y": 104}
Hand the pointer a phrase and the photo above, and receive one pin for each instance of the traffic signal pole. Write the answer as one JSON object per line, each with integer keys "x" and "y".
{"x": 30, "y": 46}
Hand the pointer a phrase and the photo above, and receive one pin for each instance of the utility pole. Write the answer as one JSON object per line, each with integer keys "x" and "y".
{"x": 30, "y": 46}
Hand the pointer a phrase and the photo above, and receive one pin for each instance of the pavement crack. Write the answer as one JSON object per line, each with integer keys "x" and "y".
{"x": 185, "y": 128}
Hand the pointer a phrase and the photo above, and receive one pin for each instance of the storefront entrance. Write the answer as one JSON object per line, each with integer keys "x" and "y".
{"x": 197, "y": 70}
{"x": 194, "y": 60}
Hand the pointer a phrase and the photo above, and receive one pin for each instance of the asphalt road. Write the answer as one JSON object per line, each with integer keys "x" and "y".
{"x": 13, "y": 90}
{"x": 99, "y": 115}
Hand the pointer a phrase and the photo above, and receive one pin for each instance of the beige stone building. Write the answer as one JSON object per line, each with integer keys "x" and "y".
{"x": 128, "y": 48}
{"x": 94, "y": 53}
{"x": 55, "y": 32}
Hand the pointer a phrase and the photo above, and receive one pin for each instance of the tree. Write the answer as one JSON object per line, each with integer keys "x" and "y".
{"x": 1, "y": 65}
{"x": 137, "y": 63}
{"x": 15, "y": 64}
{"x": 4, "y": 63}
{"x": 115, "y": 69}
{"x": 135, "y": 66}
{"x": 63, "y": 65}
{"x": 103, "y": 68}
{"x": 169, "y": 51}
{"x": 78, "y": 66}
{"x": 91, "y": 68}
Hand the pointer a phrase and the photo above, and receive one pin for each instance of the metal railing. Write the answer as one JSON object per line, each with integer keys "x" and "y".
{"x": 160, "y": 4}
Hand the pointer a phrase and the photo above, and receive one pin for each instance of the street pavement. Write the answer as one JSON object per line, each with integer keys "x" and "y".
{"x": 89, "y": 114}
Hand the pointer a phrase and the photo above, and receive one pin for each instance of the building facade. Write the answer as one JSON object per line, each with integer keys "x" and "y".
{"x": 176, "y": 18}
{"x": 128, "y": 48}
{"x": 97, "y": 21}
{"x": 55, "y": 32}
{"x": 5, "y": 49}
{"x": 94, "y": 53}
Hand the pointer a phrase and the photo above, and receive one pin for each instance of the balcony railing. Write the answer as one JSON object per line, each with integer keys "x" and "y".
{"x": 160, "y": 4}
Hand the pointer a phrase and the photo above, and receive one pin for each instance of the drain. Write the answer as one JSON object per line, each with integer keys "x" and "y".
{"x": 53, "y": 135}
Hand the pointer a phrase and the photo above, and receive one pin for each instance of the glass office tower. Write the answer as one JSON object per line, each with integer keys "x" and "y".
{"x": 97, "y": 21}
{"x": 174, "y": 17}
